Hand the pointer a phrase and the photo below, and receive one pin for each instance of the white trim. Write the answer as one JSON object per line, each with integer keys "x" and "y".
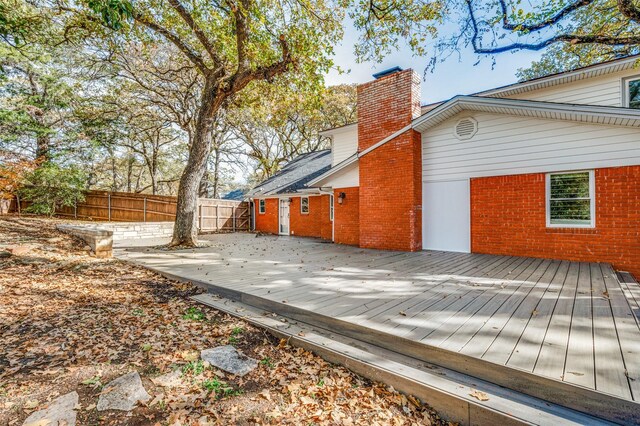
{"x": 625, "y": 90}
{"x": 335, "y": 169}
{"x": 592, "y": 200}
{"x": 280, "y": 200}
{"x": 341, "y": 129}
{"x": 308, "y": 205}
{"x": 614, "y": 116}
{"x": 332, "y": 214}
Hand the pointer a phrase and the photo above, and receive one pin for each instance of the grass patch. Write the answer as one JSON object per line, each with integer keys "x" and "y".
{"x": 193, "y": 314}
{"x": 194, "y": 368}
{"x": 267, "y": 362}
{"x": 219, "y": 388}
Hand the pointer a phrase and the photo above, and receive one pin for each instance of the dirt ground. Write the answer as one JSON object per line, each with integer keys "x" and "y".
{"x": 69, "y": 321}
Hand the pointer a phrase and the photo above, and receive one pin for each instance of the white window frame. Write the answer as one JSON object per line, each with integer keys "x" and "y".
{"x": 308, "y": 205}
{"x": 625, "y": 89}
{"x": 262, "y": 206}
{"x": 331, "y": 213}
{"x": 592, "y": 199}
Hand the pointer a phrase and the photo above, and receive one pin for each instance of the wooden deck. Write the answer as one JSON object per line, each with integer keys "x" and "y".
{"x": 576, "y": 323}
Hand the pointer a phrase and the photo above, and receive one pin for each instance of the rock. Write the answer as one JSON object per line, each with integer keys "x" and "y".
{"x": 59, "y": 412}
{"x": 169, "y": 380}
{"x": 19, "y": 250}
{"x": 4, "y": 254}
{"x": 123, "y": 393}
{"x": 228, "y": 358}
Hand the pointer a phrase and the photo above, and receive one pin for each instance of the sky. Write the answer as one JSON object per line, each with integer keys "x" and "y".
{"x": 456, "y": 76}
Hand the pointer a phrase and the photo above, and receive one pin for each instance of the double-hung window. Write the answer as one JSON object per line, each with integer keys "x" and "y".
{"x": 631, "y": 89}
{"x": 571, "y": 200}
{"x": 262, "y": 207}
{"x": 304, "y": 205}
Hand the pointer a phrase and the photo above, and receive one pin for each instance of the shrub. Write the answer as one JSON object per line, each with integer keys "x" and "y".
{"x": 50, "y": 187}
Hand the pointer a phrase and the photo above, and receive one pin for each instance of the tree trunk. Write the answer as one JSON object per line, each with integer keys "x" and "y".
{"x": 216, "y": 172}
{"x": 185, "y": 231}
{"x": 43, "y": 148}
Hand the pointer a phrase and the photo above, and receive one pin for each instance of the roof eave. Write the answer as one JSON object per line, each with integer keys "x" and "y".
{"x": 335, "y": 169}
{"x": 623, "y": 116}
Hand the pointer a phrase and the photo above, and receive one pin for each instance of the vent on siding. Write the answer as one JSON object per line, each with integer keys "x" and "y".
{"x": 465, "y": 128}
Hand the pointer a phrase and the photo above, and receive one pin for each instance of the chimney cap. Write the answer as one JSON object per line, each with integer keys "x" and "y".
{"x": 386, "y": 72}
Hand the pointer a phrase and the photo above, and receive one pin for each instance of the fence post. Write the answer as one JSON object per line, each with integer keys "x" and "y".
{"x": 18, "y": 205}
{"x": 233, "y": 213}
{"x": 217, "y": 223}
{"x": 144, "y": 210}
{"x": 75, "y": 209}
{"x": 109, "y": 205}
{"x": 199, "y": 215}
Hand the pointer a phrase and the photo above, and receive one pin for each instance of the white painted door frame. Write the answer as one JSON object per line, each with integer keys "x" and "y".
{"x": 284, "y": 202}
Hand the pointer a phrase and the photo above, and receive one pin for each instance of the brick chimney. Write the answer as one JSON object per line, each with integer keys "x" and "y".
{"x": 390, "y": 175}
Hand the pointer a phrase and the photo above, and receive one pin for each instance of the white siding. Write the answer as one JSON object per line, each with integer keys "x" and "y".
{"x": 506, "y": 145}
{"x": 603, "y": 90}
{"x": 344, "y": 143}
{"x": 347, "y": 178}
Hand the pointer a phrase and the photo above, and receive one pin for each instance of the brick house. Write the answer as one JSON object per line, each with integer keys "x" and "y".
{"x": 548, "y": 167}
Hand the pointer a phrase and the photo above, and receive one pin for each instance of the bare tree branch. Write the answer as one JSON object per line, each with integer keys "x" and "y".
{"x": 188, "y": 52}
{"x": 202, "y": 37}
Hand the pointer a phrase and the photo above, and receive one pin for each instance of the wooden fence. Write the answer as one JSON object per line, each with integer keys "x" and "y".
{"x": 213, "y": 214}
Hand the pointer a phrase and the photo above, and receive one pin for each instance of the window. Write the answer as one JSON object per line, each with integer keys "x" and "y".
{"x": 570, "y": 199}
{"x": 632, "y": 93}
{"x": 304, "y": 205}
{"x": 331, "y": 207}
{"x": 262, "y": 206}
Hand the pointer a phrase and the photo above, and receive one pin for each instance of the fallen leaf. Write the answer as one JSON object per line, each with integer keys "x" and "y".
{"x": 479, "y": 395}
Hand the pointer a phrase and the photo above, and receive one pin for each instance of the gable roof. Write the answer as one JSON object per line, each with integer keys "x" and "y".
{"x": 615, "y": 116}
{"x": 295, "y": 174}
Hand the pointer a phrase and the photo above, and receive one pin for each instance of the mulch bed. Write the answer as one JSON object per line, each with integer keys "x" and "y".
{"x": 69, "y": 322}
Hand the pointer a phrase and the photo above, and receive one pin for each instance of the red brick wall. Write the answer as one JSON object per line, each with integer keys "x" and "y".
{"x": 326, "y": 226}
{"x": 390, "y": 176}
{"x": 312, "y": 223}
{"x": 346, "y": 217}
{"x": 508, "y": 216}
{"x": 268, "y": 221}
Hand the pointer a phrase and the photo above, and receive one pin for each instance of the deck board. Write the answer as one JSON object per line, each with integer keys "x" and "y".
{"x": 568, "y": 321}
{"x": 580, "y": 362}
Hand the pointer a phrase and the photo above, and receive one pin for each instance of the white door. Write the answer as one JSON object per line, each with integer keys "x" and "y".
{"x": 446, "y": 216}
{"x": 284, "y": 217}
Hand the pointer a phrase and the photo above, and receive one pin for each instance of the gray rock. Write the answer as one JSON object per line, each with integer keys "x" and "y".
{"x": 169, "y": 380}
{"x": 59, "y": 412}
{"x": 123, "y": 393}
{"x": 227, "y": 358}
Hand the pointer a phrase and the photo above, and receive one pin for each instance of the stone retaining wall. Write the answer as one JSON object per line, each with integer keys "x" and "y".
{"x": 100, "y": 240}
{"x": 137, "y": 230}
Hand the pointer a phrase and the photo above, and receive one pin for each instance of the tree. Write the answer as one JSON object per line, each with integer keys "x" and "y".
{"x": 231, "y": 44}
{"x": 50, "y": 187}
{"x": 494, "y": 27}
{"x": 284, "y": 125}
{"x": 564, "y": 57}
{"x": 36, "y": 100}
